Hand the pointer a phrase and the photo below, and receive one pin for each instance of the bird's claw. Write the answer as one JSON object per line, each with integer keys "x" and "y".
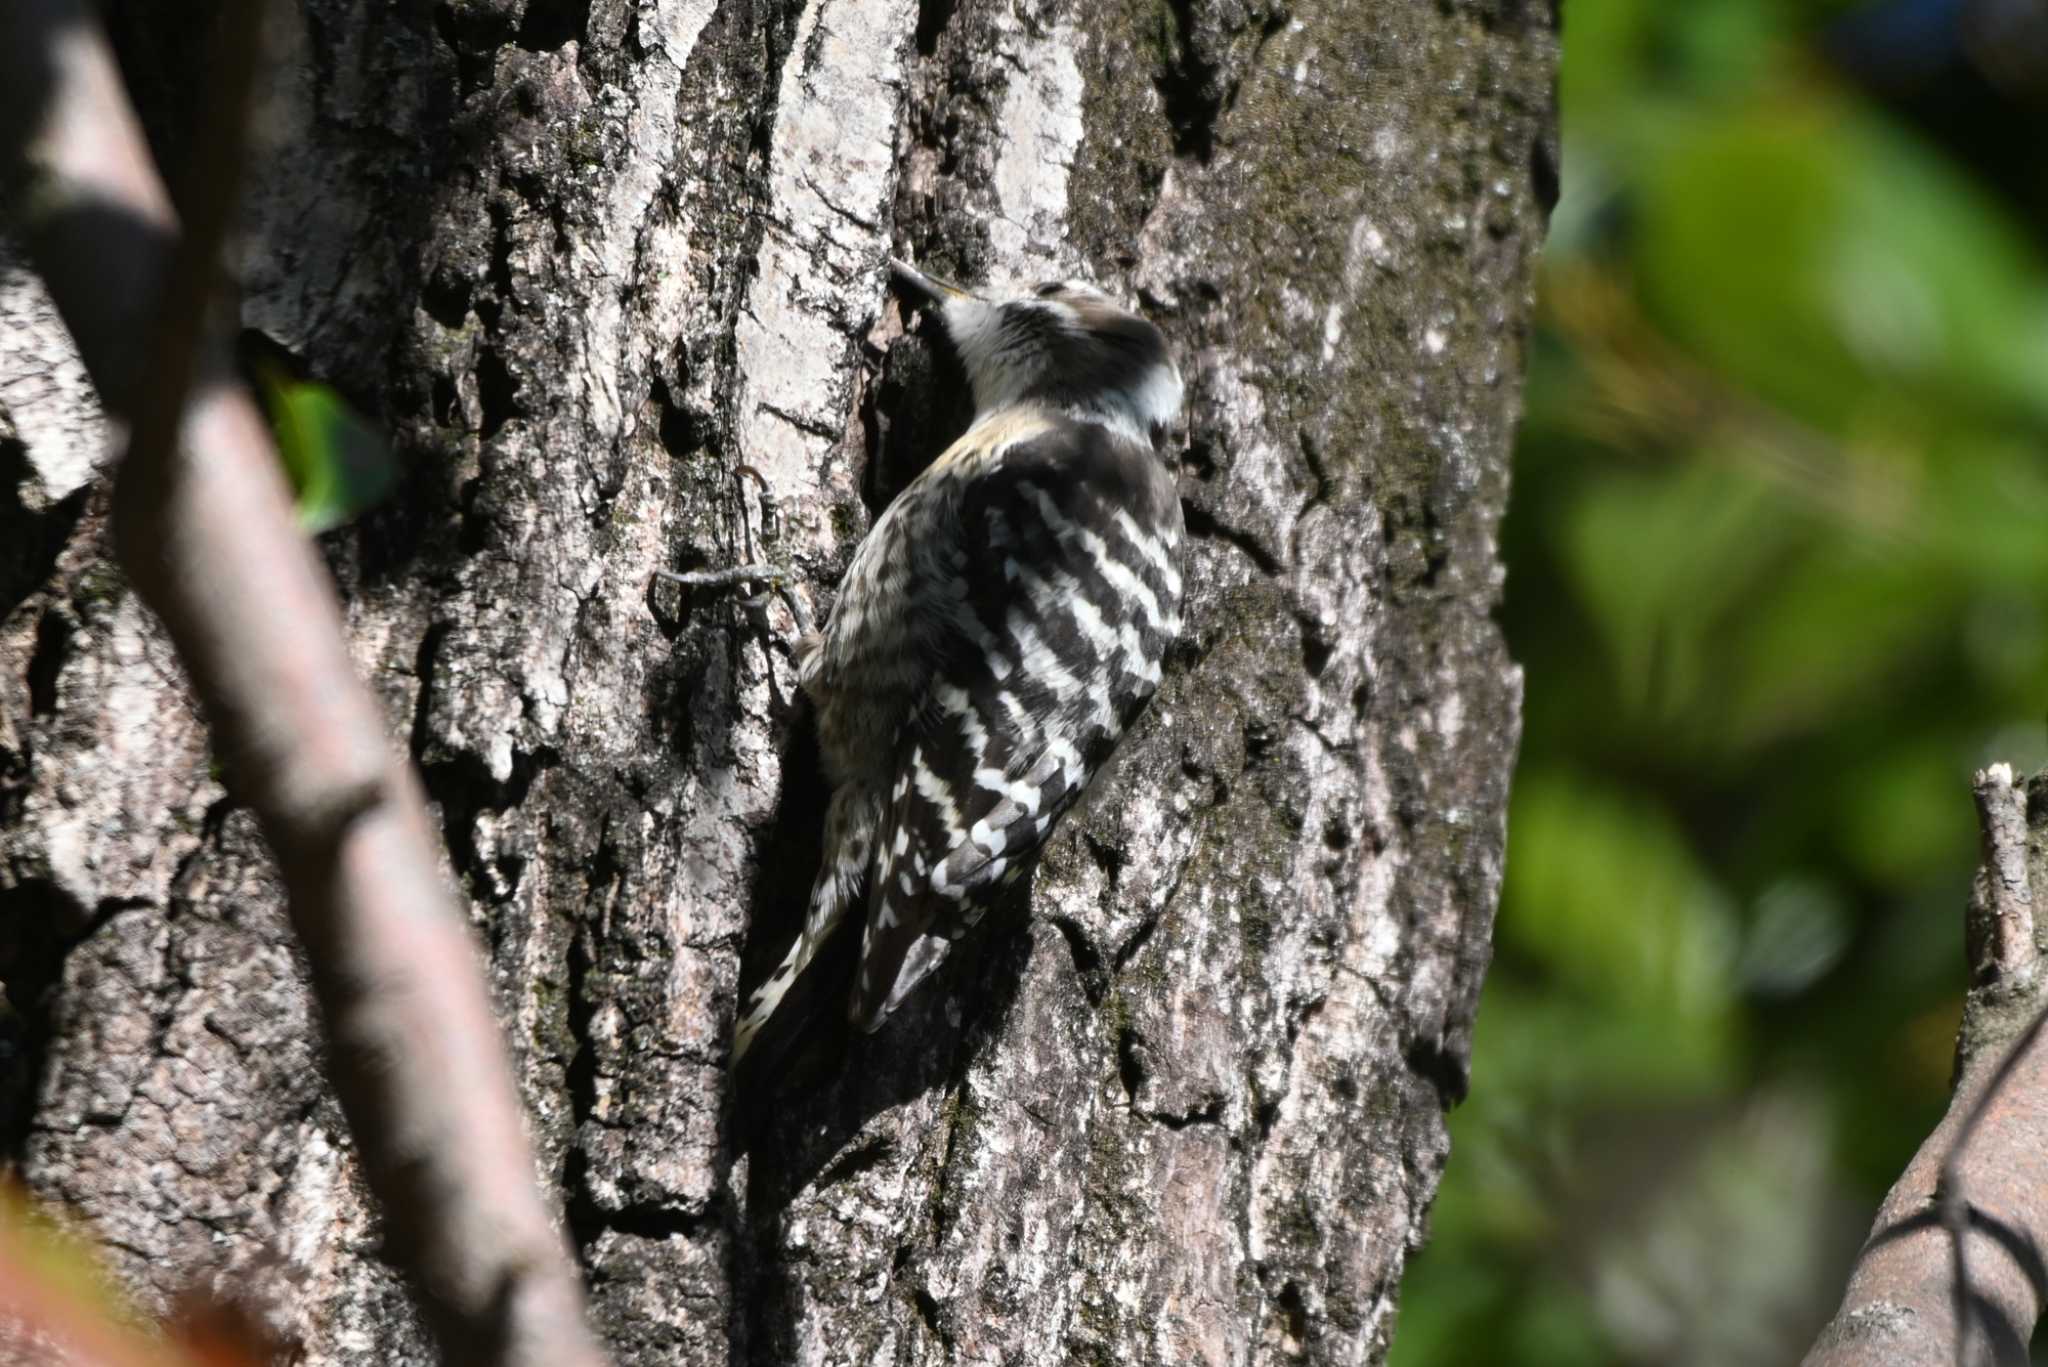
{"x": 774, "y": 579}
{"x": 774, "y": 576}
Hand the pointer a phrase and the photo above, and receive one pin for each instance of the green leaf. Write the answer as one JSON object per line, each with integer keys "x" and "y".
{"x": 339, "y": 464}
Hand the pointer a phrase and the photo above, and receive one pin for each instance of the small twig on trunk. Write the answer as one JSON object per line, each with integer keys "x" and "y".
{"x": 206, "y": 531}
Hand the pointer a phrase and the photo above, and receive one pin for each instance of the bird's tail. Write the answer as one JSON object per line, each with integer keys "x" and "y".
{"x": 850, "y": 829}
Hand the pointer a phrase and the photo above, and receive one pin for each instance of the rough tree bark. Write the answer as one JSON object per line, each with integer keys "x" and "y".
{"x": 585, "y": 261}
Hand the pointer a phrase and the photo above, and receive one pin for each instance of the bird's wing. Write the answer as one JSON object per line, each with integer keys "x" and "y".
{"x": 1066, "y": 607}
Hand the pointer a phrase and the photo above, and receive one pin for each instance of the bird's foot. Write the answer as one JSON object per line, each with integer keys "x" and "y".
{"x": 775, "y": 581}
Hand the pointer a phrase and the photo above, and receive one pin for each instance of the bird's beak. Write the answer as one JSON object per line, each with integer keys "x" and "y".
{"x": 922, "y": 288}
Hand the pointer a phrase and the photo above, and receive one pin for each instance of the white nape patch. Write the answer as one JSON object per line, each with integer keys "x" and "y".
{"x": 1134, "y": 413}
{"x": 1158, "y": 398}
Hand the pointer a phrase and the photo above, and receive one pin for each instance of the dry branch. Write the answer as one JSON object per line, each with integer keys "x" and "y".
{"x": 207, "y": 534}
{"x": 1952, "y": 1271}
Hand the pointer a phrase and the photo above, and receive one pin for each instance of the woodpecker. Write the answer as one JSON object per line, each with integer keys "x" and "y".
{"x": 998, "y": 629}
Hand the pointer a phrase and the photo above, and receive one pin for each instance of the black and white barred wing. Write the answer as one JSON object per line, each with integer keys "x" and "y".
{"x": 1070, "y": 600}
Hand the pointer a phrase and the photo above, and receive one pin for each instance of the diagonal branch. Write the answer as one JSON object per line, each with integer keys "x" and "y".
{"x": 1953, "y": 1271}
{"x": 206, "y": 532}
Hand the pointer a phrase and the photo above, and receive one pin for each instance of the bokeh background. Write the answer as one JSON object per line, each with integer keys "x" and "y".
{"x": 1778, "y": 573}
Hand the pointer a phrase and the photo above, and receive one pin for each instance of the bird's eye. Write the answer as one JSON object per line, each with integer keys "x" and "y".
{"x": 1050, "y": 288}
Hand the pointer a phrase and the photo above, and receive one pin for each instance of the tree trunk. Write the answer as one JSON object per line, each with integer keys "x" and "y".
{"x": 586, "y": 263}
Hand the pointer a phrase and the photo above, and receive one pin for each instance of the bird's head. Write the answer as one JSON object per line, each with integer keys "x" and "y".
{"x": 1063, "y": 344}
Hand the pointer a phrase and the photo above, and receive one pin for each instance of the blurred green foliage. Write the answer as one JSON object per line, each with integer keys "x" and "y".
{"x": 1778, "y": 574}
